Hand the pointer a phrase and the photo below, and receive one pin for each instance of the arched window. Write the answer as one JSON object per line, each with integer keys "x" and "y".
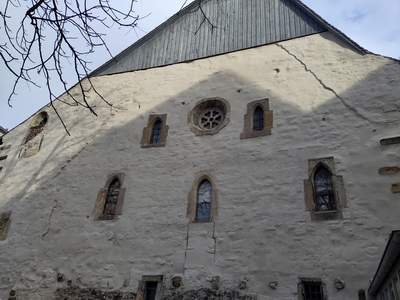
{"x": 156, "y": 132}
{"x": 258, "y": 118}
{"x": 204, "y": 200}
{"x": 323, "y": 190}
{"x": 37, "y": 126}
{"x": 112, "y": 197}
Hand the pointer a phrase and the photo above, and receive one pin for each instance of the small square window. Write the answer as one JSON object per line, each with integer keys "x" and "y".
{"x": 150, "y": 287}
{"x": 312, "y": 289}
{"x": 150, "y": 290}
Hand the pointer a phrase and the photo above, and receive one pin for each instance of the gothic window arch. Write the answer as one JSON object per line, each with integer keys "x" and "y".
{"x": 156, "y": 132}
{"x": 34, "y": 138}
{"x": 324, "y": 196}
{"x": 258, "y": 118}
{"x": 202, "y": 202}
{"x": 110, "y": 198}
{"x": 324, "y": 191}
{"x": 37, "y": 126}
{"x": 155, "y": 137}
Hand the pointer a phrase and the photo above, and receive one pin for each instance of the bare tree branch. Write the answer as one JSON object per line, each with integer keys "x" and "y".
{"x": 50, "y": 35}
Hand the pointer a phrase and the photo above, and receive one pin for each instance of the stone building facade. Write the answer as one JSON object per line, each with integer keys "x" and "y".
{"x": 262, "y": 173}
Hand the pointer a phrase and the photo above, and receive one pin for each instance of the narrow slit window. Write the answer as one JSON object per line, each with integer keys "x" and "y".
{"x": 204, "y": 200}
{"x": 313, "y": 290}
{"x": 112, "y": 198}
{"x": 150, "y": 291}
{"x": 258, "y": 118}
{"x": 155, "y": 138}
{"x": 323, "y": 190}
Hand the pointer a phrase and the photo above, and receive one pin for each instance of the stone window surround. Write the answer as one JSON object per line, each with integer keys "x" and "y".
{"x": 102, "y": 195}
{"x": 303, "y": 280}
{"x": 145, "y": 142}
{"x": 248, "y": 131}
{"x": 34, "y": 144}
{"x": 142, "y": 285}
{"x": 5, "y": 220}
{"x": 192, "y": 198}
{"x": 338, "y": 187}
{"x": 195, "y": 112}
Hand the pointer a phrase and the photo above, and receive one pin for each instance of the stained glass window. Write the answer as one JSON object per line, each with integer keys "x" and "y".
{"x": 156, "y": 132}
{"x": 258, "y": 118}
{"x": 323, "y": 189}
{"x": 112, "y": 197}
{"x": 204, "y": 199}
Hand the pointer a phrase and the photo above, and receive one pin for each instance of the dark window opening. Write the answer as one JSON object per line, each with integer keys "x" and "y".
{"x": 112, "y": 198}
{"x": 156, "y": 132}
{"x": 258, "y": 118}
{"x": 39, "y": 123}
{"x": 323, "y": 190}
{"x": 150, "y": 290}
{"x": 313, "y": 290}
{"x": 362, "y": 295}
{"x": 204, "y": 200}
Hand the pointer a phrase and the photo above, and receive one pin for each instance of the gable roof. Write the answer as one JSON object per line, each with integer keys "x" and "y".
{"x": 206, "y": 28}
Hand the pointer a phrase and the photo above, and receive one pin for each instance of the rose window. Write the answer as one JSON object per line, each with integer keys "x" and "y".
{"x": 209, "y": 116}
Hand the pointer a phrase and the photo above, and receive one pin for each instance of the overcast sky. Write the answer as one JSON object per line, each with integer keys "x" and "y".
{"x": 373, "y": 24}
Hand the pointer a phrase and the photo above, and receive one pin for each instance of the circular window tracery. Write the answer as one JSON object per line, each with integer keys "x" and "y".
{"x": 209, "y": 116}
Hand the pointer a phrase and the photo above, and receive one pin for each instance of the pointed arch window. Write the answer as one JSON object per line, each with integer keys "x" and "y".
{"x": 110, "y": 198}
{"x": 37, "y": 126}
{"x": 258, "y": 118}
{"x": 156, "y": 132}
{"x": 204, "y": 201}
{"x": 323, "y": 190}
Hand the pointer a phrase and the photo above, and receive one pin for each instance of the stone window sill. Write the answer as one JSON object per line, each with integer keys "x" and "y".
{"x": 326, "y": 215}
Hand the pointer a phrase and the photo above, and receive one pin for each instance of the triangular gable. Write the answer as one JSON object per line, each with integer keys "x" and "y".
{"x": 211, "y": 27}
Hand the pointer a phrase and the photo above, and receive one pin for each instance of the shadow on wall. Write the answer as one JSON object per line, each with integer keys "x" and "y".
{"x": 53, "y": 229}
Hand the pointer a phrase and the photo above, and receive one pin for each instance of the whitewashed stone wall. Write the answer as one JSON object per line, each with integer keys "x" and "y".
{"x": 262, "y": 232}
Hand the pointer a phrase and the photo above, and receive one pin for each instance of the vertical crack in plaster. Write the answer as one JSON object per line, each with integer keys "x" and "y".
{"x": 187, "y": 246}
{"x": 328, "y": 88}
{"x": 49, "y": 219}
{"x": 215, "y": 241}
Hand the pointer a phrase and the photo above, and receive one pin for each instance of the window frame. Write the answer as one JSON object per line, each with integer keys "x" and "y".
{"x": 193, "y": 196}
{"x": 31, "y": 145}
{"x": 305, "y": 280}
{"x": 339, "y": 193}
{"x": 248, "y": 124}
{"x": 99, "y": 210}
{"x": 141, "y": 293}
{"x": 146, "y": 141}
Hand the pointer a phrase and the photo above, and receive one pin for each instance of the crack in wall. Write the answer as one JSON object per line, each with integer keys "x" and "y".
{"x": 328, "y": 88}
{"x": 215, "y": 241}
{"x": 49, "y": 218}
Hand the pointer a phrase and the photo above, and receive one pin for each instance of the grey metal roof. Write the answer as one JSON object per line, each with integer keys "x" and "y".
{"x": 210, "y": 27}
{"x": 388, "y": 261}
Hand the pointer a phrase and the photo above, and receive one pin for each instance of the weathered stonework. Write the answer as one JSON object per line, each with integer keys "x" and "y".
{"x": 262, "y": 231}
